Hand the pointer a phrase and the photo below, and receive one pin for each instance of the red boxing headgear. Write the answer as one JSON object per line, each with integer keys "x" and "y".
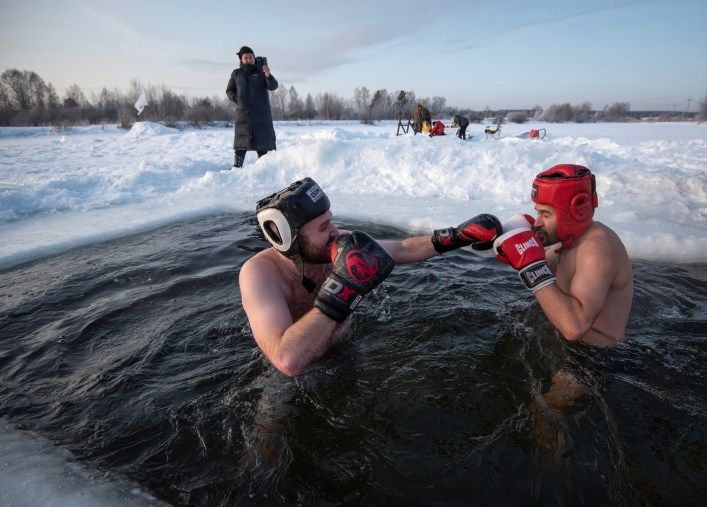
{"x": 571, "y": 190}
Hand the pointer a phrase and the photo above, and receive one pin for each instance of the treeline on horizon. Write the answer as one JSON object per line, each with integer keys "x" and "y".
{"x": 27, "y": 100}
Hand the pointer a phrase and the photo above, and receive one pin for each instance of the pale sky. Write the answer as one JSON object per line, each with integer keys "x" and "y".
{"x": 499, "y": 53}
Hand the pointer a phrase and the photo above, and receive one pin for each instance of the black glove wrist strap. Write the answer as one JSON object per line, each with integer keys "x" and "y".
{"x": 336, "y": 299}
{"x": 331, "y": 312}
{"x": 445, "y": 240}
{"x": 537, "y": 275}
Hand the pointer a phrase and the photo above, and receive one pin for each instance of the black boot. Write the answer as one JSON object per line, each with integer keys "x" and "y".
{"x": 238, "y": 161}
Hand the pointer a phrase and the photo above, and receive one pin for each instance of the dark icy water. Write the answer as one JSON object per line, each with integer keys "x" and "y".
{"x": 136, "y": 356}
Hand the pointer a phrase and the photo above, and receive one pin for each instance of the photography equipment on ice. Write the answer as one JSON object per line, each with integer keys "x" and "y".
{"x": 400, "y": 103}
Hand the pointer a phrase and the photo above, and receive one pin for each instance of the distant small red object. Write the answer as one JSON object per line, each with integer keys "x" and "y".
{"x": 437, "y": 129}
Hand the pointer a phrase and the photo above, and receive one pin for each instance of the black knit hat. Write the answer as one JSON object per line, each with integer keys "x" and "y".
{"x": 244, "y": 50}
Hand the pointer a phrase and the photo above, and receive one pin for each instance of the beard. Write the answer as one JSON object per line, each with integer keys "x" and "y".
{"x": 546, "y": 239}
{"x": 315, "y": 254}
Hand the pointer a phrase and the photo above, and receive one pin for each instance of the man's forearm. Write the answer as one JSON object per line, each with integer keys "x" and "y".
{"x": 304, "y": 341}
{"x": 564, "y": 311}
{"x": 415, "y": 249}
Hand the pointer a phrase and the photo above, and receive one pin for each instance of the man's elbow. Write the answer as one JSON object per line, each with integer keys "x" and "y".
{"x": 288, "y": 365}
{"x": 574, "y": 333}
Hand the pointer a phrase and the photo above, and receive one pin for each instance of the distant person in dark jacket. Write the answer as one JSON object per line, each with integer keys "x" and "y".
{"x": 248, "y": 88}
{"x": 462, "y": 123}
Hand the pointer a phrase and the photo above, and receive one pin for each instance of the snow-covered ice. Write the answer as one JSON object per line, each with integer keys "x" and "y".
{"x": 37, "y": 472}
{"x": 63, "y": 189}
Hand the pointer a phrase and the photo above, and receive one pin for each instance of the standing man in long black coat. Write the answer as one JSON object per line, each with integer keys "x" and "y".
{"x": 248, "y": 88}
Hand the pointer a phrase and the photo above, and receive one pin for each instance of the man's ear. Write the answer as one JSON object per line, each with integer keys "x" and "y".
{"x": 273, "y": 230}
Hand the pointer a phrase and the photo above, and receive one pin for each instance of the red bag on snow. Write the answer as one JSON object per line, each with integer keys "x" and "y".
{"x": 437, "y": 129}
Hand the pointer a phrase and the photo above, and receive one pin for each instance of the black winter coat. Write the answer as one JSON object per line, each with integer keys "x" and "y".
{"x": 248, "y": 88}
{"x": 460, "y": 121}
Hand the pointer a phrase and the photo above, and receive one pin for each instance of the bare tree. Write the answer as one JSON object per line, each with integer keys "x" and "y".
{"x": 330, "y": 106}
{"x": 517, "y": 117}
{"x": 278, "y": 101}
{"x": 437, "y": 105}
{"x": 559, "y": 113}
{"x": 4, "y": 97}
{"x": 310, "y": 110}
{"x": 171, "y": 106}
{"x": 536, "y": 112}
{"x": 295, "y": 106}
{"x": 381, "y": 104}
{"x": 618, "y": 111}
{"x": 74, "y": 97}
{"x": 702, "y": 114}
{"x": 52, "y": 97}
{"x": 583, "y": 112}
{"x": 410, "y": 106}
{"x": 362, "y": 98}
{"x": 19, "y": 90}
{"x": 109, "y": 103}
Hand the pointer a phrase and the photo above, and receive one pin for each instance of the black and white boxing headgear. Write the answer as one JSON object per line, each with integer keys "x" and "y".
{"x": 281, "y": 214}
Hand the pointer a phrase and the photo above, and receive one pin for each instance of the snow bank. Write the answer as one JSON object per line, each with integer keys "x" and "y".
{"x": 146, "y": 129}
{"x": 58, "y": 192}
{"x": 36, "y": 472}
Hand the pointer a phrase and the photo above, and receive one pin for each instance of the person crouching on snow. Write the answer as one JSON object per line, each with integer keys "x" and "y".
{"x": 462, "y": 123}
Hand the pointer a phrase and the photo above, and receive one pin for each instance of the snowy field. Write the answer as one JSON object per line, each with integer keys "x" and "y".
{"x": 63, "y": 189}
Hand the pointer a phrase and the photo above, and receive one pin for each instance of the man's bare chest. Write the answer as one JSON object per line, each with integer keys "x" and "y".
{"x": 299, "y": 299}
{"x": 566, "y": 267}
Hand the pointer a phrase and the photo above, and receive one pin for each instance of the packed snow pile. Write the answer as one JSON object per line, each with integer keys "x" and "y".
{"x": 92, "y": 184}
{"x": 143, "y": 129}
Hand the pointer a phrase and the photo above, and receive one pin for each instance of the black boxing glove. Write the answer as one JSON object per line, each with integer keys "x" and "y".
{"x": 360, "y": 264}
{"x": 479, "y": 232}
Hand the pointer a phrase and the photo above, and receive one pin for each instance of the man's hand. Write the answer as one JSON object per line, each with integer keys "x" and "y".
{"x": 359, "y": 265}
{"x": 266, "y": 70}
{"x": 479, "y": 232}
{"x": 520, "y": 248}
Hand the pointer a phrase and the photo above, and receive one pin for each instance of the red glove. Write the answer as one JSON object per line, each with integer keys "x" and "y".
{"x": 478, "y": 232}
{"x": 521, "y": 249}
{"x": 360, "y": 264}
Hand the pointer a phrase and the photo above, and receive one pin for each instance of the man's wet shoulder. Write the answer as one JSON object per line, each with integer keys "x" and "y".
{"x": 598, "y": 236}
{"x": 262, "y": 263}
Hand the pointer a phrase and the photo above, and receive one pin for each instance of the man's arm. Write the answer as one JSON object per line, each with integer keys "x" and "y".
{"x": 289, "y": 346}
{"x": 574, "y": 314}
{"x": 405, "y": 251}
{"x": 270, "y": 81}
{"x": 231, "y": 89}
{"x": 477, "y": 232}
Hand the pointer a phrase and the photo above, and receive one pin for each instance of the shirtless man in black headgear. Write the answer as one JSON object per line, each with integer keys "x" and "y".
{"x": 299, "y": 294}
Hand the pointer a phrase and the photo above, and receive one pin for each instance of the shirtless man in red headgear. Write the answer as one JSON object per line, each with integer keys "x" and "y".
{"x": 585, "y": 287}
